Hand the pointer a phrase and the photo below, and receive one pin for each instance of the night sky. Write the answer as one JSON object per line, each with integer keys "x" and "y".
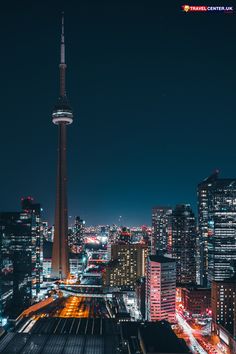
{"x": 153, "y": 92}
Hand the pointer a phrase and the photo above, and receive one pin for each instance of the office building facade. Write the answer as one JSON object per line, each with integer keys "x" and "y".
{"x": 160, "y": 289}
{"x": 217, "y": 227}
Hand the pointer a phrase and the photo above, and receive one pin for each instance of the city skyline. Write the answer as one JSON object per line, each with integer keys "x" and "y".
{"x": 137, "y": 85}
{"x": 118, "y": 234}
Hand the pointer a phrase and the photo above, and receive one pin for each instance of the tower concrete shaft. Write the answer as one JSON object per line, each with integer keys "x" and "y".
{"x": 62, "y": 116}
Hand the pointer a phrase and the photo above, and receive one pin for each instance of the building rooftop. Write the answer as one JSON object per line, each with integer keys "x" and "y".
{"x": 64, "y": 335}
{"x": 55, "y": 344}
{"x": 231, "y": 280}
{"x": 155, "y": 337}
{"x": 218, "y": 182}
{"x": 159, "y": 338}
{"x": 93, "y": 336}
{"x": 160, "y": 259}
{"x": 193, "y": 287}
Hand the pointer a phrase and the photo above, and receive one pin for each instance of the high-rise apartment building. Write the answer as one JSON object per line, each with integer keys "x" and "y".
{"x": 162, "y": 225}
{"x": 127, "y": 264}
{"x": 160, "y": 288}
{"x": 217, "y": 227}
{"x": 184, "y": 243}
{"x": 223, "y": 303}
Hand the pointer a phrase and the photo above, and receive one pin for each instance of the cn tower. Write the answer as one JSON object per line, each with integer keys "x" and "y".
{"x": 62, "y": 116}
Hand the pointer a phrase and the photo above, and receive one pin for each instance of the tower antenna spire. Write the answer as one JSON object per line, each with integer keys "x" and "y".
{"x": 62, "y": 65}
{"x": 62, "y": 39}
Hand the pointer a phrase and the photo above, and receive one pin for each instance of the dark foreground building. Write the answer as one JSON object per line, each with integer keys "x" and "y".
{"x": 94, "y": 336}
{"x": 15, "y": 263}
{"x": 152, "y": 338}
{"x": 20, "y": 257}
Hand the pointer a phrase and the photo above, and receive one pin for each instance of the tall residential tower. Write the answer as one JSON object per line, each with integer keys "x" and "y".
{"x": 184, "y": 243}
{"x": 62, "y": 116}
{"x": 162, "y": 229}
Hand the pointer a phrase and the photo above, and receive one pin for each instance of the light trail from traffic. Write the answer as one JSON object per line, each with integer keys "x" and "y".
{"x": 189, "y": 331}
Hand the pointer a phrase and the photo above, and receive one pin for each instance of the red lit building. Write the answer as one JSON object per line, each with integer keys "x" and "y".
{"x": 160, "y": 289}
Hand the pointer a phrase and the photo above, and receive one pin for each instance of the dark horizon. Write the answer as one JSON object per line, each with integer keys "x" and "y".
{"x": 152, "y": 91}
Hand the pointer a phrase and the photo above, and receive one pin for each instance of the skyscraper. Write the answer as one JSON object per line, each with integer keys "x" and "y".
{"x": 160, "y": 288}
{"x": 161, "y": 223}
{"x": 62, "y": 116}
{"x": 34, "y": 209}
{"x": 184, "y": 243}
{"x": 217, "y": 227}
{"x": 203, "y": 218}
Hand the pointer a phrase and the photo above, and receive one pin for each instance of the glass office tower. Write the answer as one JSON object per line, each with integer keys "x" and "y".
{"x": 217, "y": 227}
